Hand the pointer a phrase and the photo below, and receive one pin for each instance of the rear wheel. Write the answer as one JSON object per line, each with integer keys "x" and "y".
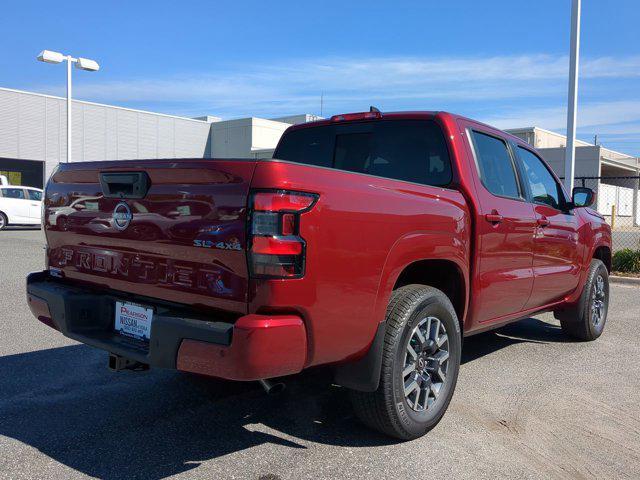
{"x": 62, "y": 224}
{"x": 3, "y": 221}
{"x": 145, "y": 232}
{"x": 586, "y": 320}
{"x": 421, "y": 359}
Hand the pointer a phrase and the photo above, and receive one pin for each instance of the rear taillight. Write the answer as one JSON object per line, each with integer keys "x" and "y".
{"x": 276, "y": 248}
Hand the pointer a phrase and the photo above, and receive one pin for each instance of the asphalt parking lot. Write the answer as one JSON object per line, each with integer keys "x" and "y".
{"x": 529, "y": 404}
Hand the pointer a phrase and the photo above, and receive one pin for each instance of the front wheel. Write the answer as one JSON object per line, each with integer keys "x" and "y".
{"x": 62, "y": 224}
{"x": 585, "y": 321}
{"x": 420, "y": 363}
{"x": 3, "y": 221}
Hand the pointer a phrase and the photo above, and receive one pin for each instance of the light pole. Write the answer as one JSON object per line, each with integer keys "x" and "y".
{"x": 48, "y": 56}
{"x": 572, "y": 108}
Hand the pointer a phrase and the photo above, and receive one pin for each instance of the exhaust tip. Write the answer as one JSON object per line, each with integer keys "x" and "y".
{"x": 272, "y": 388}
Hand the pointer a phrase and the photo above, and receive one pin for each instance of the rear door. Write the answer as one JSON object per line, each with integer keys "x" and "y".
{"x": 35, "y": 204}
{"x": 556, "y": 260}
{"x": 505, "y": 225}
{"x": 15, "y": 204}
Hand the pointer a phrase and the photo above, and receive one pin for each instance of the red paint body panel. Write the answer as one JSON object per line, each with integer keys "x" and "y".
{"x": 361, "y": 233}
{"x": 558, "y": 256}
{"x": 188, "y": 243}
{"x": 262, "y": 347}
{"x": 505, "y": 248}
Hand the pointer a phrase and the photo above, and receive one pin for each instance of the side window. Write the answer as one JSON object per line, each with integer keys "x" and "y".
{"x": 495, "y": 165}
{"x": 13, "y": 193}
{"x": 35, "y": 195}
{"x": 544, "y": 188}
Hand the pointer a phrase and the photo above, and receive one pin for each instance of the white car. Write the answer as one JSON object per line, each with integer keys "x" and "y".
{"x": 83, "y": 206}
{"x": 20, "y": 205}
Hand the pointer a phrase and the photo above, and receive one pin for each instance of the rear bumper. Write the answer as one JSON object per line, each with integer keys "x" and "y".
{"x": 252, "y": 347}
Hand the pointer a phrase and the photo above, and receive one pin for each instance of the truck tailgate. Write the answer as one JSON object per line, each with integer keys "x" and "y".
{"x": 168, "y": 229}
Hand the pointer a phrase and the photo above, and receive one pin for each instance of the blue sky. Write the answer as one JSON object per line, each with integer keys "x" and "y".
{"x": 504, "y": 62}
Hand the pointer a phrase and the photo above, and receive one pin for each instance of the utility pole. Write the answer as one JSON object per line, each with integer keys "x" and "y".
{"x": 574, "y": 57}
{"x": 48, "y": 56}
{"x": 69, "y": 101}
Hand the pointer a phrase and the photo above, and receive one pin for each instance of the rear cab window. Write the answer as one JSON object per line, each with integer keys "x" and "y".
{"x": 409, "y": 150}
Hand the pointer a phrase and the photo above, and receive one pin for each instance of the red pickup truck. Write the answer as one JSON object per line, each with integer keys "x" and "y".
{"x": 371, "y": 242}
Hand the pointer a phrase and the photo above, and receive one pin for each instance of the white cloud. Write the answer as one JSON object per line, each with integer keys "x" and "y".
{"x": 592, "y": 116}
{"x": 617, "y": 129}
{"x": 507, "y": 91}
{"x": 295, "y": 86}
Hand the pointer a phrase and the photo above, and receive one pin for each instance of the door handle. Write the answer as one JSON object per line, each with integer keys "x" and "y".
{"x": 493, "y": 217}
{"x": 35, "y": 204}
{"x": 543, "y": 221}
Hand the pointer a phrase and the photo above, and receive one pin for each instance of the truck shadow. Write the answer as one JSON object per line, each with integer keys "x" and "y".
{"x": 531, "y": 330}
{"x": 65, "y": 403}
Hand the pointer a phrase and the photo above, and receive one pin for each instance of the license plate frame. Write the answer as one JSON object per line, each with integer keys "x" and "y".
{"x": 133, "y": 320}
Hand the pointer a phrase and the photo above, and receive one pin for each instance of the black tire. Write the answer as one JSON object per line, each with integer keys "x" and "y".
{"x": 145, "y": 232}
{"x": 388, "y": 409}
{"x": 585, "y": 321}
{"x": 62, "y": 224}
{"x": 3, "y": 221}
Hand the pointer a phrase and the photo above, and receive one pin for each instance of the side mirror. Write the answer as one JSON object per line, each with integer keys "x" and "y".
{"x": 583, "y": 197}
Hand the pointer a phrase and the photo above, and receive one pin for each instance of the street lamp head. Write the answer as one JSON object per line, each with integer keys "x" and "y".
{"x": 87, "y": 64}
{"x": 48, "y": 56}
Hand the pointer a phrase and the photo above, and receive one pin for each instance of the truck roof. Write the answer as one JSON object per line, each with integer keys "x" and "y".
{"x": 363, "y": 117}
{"x": 404, "y": 115}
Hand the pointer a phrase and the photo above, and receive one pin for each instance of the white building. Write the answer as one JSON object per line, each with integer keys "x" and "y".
{"x": 33, "y": 135}
{"x": 591, "y": 160}
{"x": 613, "y": 175}
{"x": 245, "y": 137}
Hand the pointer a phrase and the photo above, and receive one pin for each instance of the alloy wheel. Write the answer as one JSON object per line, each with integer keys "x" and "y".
{"x": 598, "y": 302}
{"x": 425, "y": 364}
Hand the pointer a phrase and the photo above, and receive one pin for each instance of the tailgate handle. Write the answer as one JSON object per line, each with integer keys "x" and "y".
{"x": 125, "y": 184}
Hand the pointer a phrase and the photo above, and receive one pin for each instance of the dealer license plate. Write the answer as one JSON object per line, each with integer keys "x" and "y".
{"x": 133, "y": 320}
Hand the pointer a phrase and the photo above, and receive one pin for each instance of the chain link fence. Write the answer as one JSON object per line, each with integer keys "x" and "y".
{"x": 618, "y": 199}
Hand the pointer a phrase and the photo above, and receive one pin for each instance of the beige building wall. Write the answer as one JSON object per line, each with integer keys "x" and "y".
{"x": 541, "y": 138}
{"x": 587, "y": 160}
{"x": 245, "y": 137}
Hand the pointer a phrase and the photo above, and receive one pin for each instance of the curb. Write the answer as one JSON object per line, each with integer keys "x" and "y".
{"x": 624, "y": 280}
